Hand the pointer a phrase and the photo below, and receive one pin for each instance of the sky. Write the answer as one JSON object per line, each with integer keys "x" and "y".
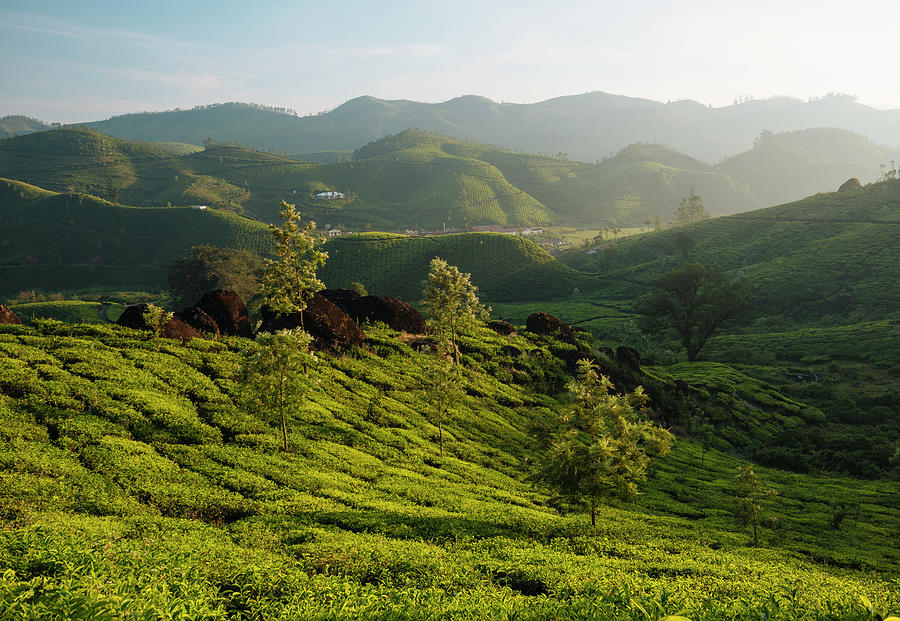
{"x": 70, "y": 61}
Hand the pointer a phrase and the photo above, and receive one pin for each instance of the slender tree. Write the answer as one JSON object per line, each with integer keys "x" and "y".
{"x": 290, "y": 279}
{"x": 442, "y": 389}
{"x": 450, "y": 303}
{"x": 751, "y": 491}
{"x": 694, "y": 300}
{"x": 602, "y": 444}
{"x": 274, "y": 374}
{"x": 690, "y": 210}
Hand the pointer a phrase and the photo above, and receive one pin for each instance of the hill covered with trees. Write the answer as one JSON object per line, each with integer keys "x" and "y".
{"x": 588, "y": 127}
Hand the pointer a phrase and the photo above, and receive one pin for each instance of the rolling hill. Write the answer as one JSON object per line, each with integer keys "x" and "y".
{"x": 791, "y": 165}
{"x": 138, "y": 482}
{"x": 503, "y": 267}
{"x": 588, "y": 127}
{"x": 60, "y": 241}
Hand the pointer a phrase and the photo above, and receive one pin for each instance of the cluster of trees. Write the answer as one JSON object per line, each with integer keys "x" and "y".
{"x": 598, "y": 450}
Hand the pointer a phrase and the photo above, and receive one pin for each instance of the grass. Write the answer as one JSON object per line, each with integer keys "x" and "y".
{"x": 137, "y": 485}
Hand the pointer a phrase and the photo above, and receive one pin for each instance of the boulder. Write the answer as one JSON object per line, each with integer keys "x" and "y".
{"x": 628, "y": 357}
{"x": 174, "y": 328}
{"x": 509, "y": 350}
{"x": 199, "y": 320}
{"x": 545, "y": 323}
{"x": 8, "y": 316}
{"x": 344, "y": 299}
{"x": 396, "y": 313}
{"x": 227, "y": 309}
{"x": 177, "y": 329}
{"x": 133, "y": 317}
{"x": 330, "y": 327}
{"x": 849, "y": 184}
{"x": 502, "y": 327}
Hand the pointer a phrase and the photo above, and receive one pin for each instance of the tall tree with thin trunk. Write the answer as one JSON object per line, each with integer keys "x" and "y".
{"x": 274, "y": 374}
{"x": 451, "y": 303}
{"x": 290, "y": 279}
{"x": 602, "y": 444}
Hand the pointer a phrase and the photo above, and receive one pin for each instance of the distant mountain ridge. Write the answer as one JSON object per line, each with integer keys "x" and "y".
{"x": 587, "y": 127}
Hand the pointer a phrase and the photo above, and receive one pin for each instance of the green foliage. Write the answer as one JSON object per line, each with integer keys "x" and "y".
{"x": 275, "y": 374}
{"x": 442, "y": 387}
{"x": 290, "y": 279}
{"x": 72, "y": 241}
{"x": 691, "y": 210}
{"x": 506, "y": 267}
{"x": 750, "y": 492}
{"x": 136, "y": 483}
{"x": 602, "y": 444}
{"x": 207, "y": 268}
{"x": 694, "y": 301}
{"x": 450, "y": 302}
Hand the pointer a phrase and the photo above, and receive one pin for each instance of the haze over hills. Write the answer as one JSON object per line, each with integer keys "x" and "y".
{"x": 421, "y": 180}
{"x": 588, "y": 127}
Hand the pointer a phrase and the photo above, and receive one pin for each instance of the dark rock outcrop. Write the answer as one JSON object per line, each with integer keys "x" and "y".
{"x": 8, "y": 316}
{"x": 511, "y": 351}
{"x": 330, "y": 327}
{"x": 133, "y": 317}
{"x": 199, "y": 320}
{"x": 227, "y": 309}
{"x": 502, "y": 328}
{"x": 545, "y": 323}
{"x": 396, "y": 313}
{"x": 628, "y": 358}
{"x": 344, "y": 299}
{"x": 175, "y": 328}
{"x": 850, "y": 184}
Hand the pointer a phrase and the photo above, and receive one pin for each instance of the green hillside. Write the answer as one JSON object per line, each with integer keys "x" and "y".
{"x": 588, "y": 127}
{"x": 16, "y": 125}
{"x": 503, "y": 267}
{"x": 58, "y": 242}
{"x": 823, "y": 325}
{"x": 411, "y": 180}
{"x": 136, "y": 485}
{"x": 790, "y": 165}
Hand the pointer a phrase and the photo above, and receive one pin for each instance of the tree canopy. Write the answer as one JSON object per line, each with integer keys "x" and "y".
{"x": 690, "y": 210}
{"x": 451, "y": 303}
{"x": 694, "y": 300}
{"x": 207, "y": 268}
{"x": 290, "y": 279}
{"x": 603, "y": 442}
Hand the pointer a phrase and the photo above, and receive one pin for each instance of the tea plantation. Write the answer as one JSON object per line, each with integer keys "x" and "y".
{"x": 135, "y": 485}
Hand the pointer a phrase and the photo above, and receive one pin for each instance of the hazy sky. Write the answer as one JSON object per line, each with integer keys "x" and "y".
{"x": 86, "y": 60}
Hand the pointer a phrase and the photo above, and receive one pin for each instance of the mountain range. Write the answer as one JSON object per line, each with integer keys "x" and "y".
{"x": 587, "y": 127}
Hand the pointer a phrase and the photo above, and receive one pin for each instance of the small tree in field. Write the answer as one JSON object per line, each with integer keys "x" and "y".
{"x": 274, "y": 375}
{"x": 603, "y": 443}
{"x": 450, "y": 303}
{"x": 290, "y": 279}
{"x": 694, "y": 301}
{"x": 751, "y": 492}
{"x": 442, "y": 389}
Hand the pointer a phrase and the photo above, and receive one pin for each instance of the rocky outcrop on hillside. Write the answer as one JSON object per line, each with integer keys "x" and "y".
{"x": 8, "y": 316}
{"x": 330, "y": 327}
{"x": 502, "y": 328}
{"x": 396, "y": 313}
{"x": 344, "y": 299}
{"x": 850, "y": 184}
{"x": 229, "y": 312}
{"x": 199, "y": 320}
{"x": 545, "y": 323}
{"x": 133, "y": 317}
{"x": 177, "y": 329}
